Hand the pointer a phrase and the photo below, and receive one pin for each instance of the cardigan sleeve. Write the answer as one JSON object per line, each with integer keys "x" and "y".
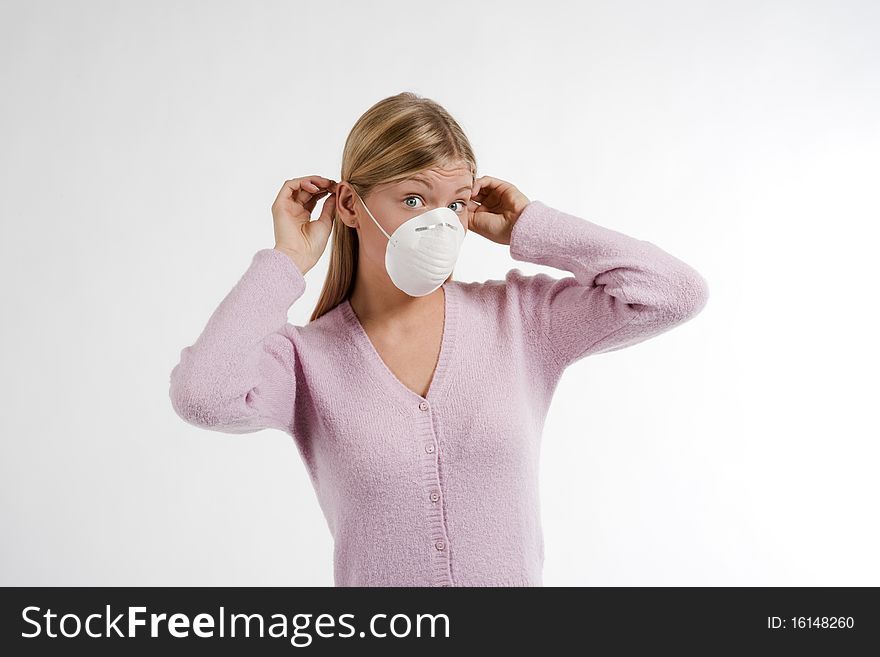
{"x": 622, "y": 292}
{"x": 239, "y": 376}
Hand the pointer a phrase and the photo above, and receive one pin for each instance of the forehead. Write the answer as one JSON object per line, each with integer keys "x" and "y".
{"x": 443, "y": 176}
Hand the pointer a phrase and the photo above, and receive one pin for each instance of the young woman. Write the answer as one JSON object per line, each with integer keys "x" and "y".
{"x": 417, "y": 402}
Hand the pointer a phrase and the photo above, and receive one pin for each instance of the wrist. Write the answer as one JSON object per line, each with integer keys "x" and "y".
{"x": 519, "y": 207}
{"x": 297, "y": 260}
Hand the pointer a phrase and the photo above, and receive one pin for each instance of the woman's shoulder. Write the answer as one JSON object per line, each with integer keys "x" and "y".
{"x": 321, "y": 331}
{"x": 516, "y": 286}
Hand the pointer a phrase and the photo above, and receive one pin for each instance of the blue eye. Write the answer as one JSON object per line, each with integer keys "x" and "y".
{"x": 462, "y": 203}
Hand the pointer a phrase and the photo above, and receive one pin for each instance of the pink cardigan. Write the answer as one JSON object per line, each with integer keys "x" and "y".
{"x": 440, "y": 490}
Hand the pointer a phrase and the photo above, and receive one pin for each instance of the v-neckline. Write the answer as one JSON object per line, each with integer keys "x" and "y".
{"x": 381, "y": 369}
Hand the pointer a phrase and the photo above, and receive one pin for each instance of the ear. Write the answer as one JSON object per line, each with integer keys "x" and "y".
{"x": 345, "y": 204}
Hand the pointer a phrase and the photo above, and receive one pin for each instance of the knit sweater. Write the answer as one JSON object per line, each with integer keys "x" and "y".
{"x": 440, "y": 490}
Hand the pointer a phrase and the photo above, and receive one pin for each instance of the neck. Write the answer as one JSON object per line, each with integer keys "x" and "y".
{"x": 375, "y": 299}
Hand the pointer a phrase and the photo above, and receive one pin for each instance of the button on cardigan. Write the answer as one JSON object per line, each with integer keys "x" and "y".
{"x": 440, "y": 490}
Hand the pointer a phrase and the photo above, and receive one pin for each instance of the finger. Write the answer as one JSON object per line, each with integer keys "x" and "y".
{"x": 484, "y": 186}
{"x": 317, "y": 183}
{"x": 320, "y": 182}
{"x": 313, "y": 201}
{"x": 317, "y": 186}
{"x": 288, "y": 192}
{"x": 327, "y": 210}
{"x": 489, "y": 191}
{"x": 476, "y": 188}
{"x": 314, "y": 198}
{"x": 314, "y": 192}
{"x": 304, "y": 191}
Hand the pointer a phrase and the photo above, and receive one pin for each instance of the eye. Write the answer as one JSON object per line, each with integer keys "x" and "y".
{"x": 414, "y": 197}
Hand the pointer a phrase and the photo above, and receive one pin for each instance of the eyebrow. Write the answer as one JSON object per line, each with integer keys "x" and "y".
{"x": 430, "y": 186}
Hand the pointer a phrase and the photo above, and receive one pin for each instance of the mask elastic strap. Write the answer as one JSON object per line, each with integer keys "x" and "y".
{"x": 372, "y": 217}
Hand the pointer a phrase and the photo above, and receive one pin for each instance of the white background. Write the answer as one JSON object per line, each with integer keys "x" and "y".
{"x": 142, "y": 147}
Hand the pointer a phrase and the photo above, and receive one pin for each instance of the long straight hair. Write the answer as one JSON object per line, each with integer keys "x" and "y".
{"x": 396, "y": 138}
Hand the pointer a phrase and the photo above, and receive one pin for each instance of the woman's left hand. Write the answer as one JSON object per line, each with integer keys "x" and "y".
{"x": 501, "y": 203}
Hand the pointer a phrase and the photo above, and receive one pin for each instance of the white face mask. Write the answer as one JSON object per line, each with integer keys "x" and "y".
{"x": 422, "y": 251}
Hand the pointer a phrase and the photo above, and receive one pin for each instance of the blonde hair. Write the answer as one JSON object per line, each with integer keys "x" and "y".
{"x": 396, "y": 138}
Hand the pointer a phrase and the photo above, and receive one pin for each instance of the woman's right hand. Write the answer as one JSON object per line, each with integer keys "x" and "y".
{"x": 296, "y": 234}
